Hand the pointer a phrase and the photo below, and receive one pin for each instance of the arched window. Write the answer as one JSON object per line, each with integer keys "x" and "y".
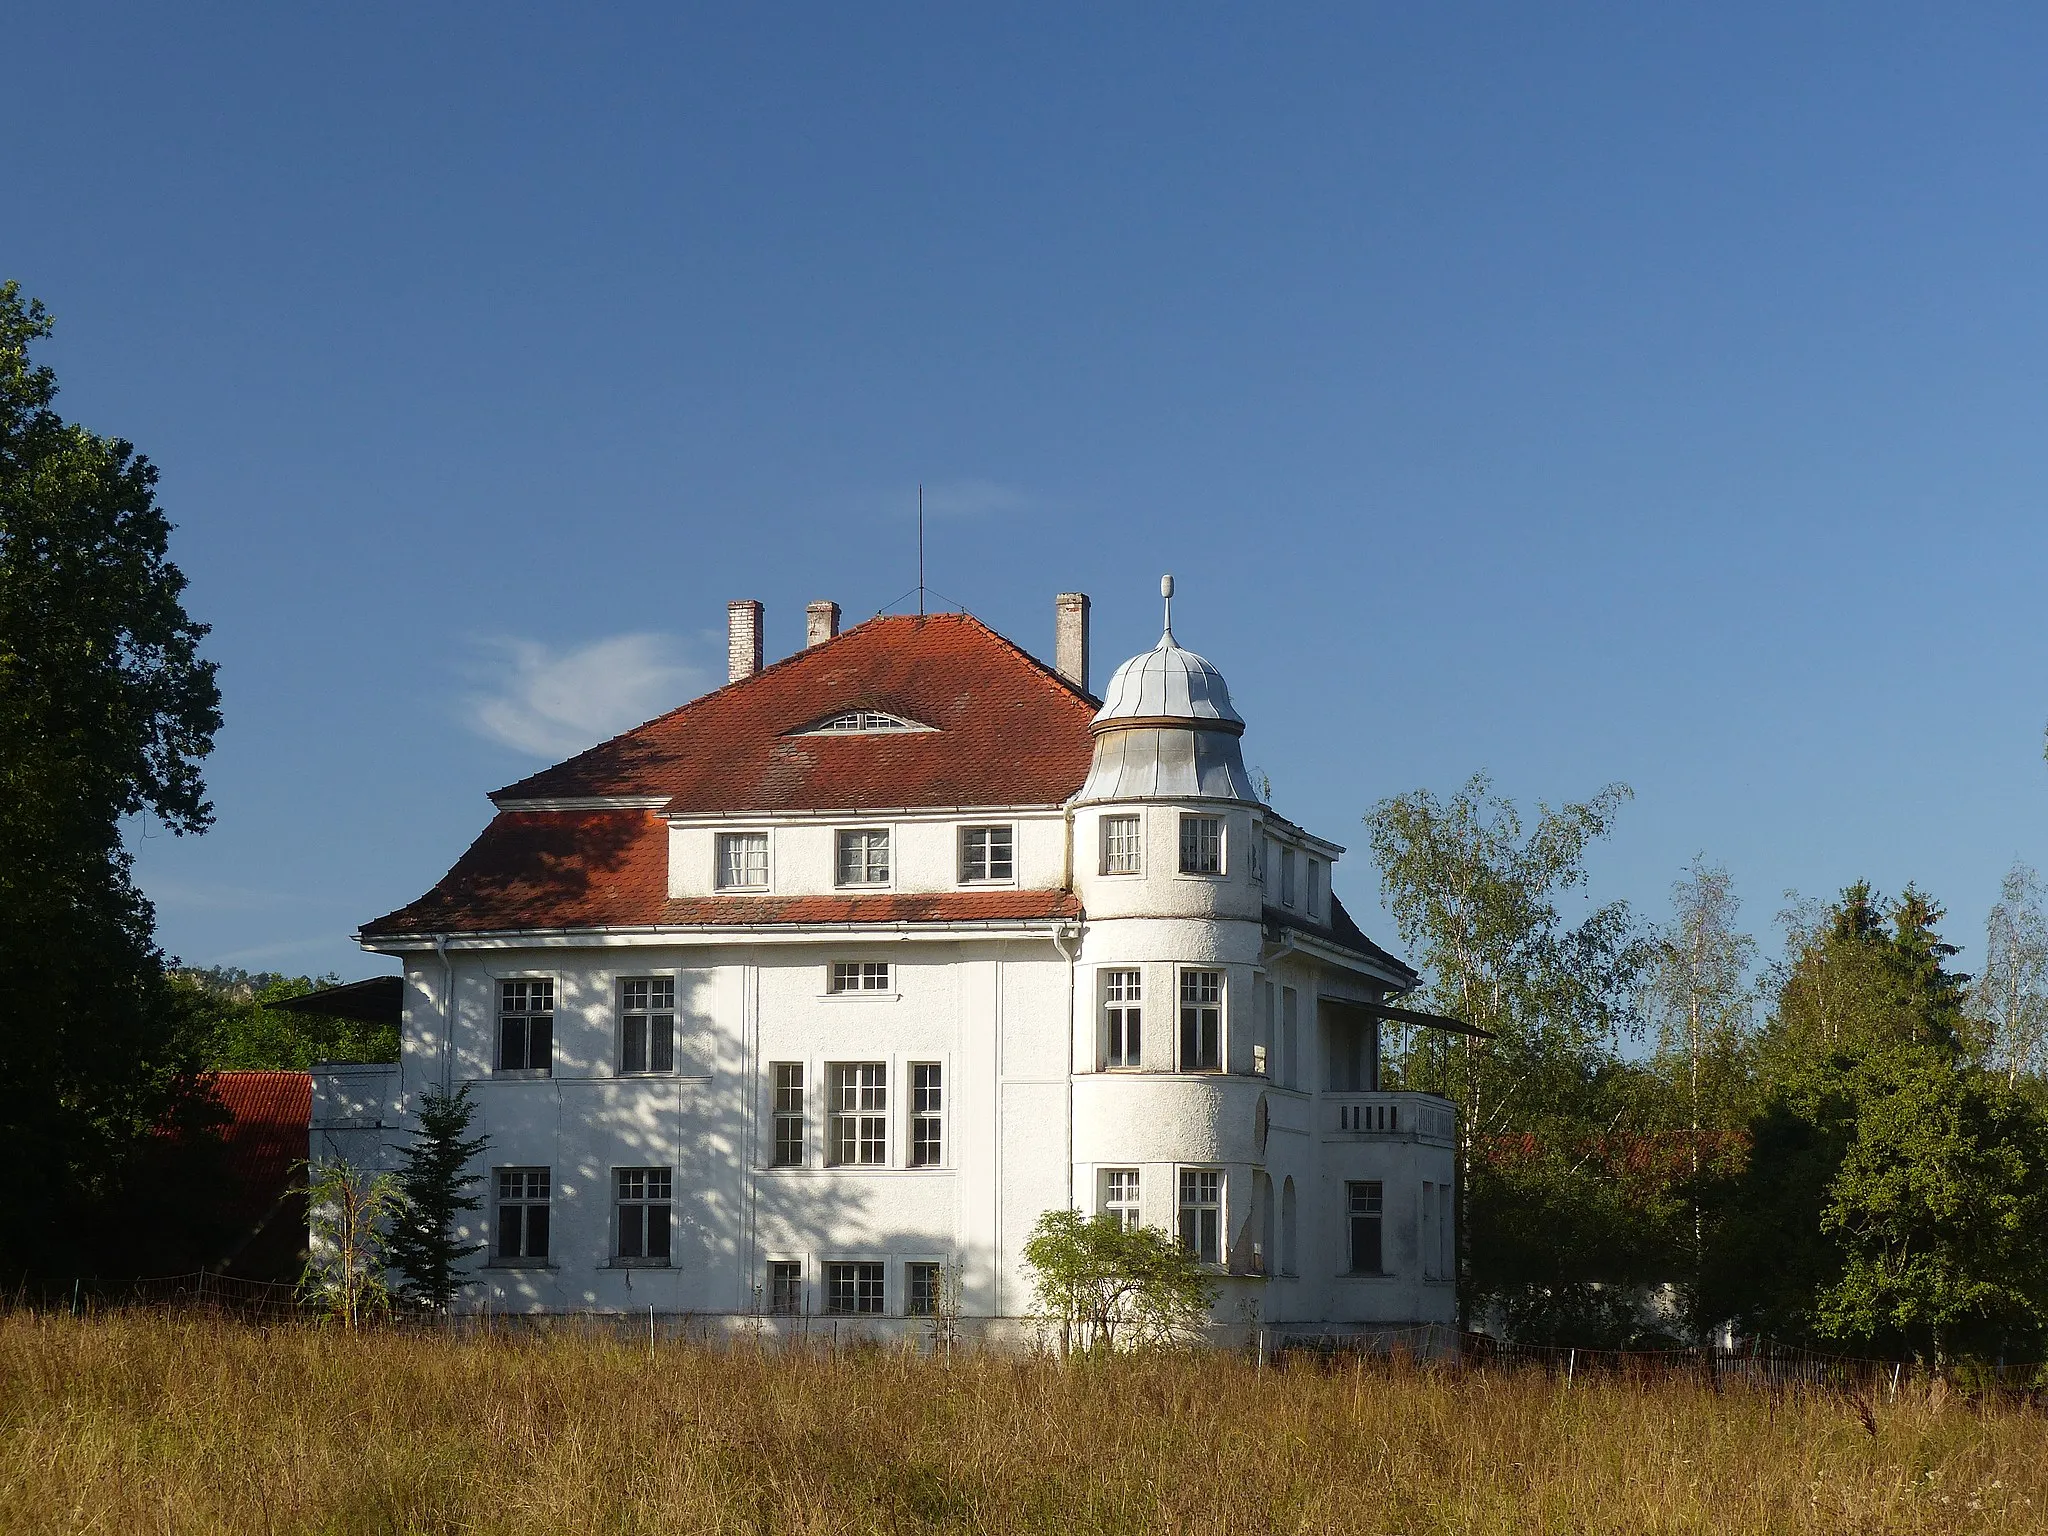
{"x": 1262, "y": 1191}
{"x": 1290, "y": 1256}
{"x": 861, "y": 722}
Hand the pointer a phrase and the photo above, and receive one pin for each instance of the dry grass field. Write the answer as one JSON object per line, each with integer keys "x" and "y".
{"x": 142, "y": 1423}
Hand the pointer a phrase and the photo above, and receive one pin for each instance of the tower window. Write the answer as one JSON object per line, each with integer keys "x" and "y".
{"x": 1122, "y": 1017}
{"x": 1120, "y": 849}
{"x": 1201, "y": 845}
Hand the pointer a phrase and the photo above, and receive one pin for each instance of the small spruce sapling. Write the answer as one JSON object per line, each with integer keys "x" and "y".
{"x": 433, "y": 1189}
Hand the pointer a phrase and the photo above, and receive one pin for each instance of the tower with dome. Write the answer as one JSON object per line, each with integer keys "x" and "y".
{"x": 795, "y": 1007}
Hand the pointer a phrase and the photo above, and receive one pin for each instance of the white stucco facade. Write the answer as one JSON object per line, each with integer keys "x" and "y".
{"x": 1231, "y": 1100}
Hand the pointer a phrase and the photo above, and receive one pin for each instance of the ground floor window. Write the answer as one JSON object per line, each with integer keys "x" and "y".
{"x": 643, "y": 1214}
{"x": 1367, "y": 1217}
{"x": 785, "y": 1287}
{"x": 853, "y": 1288}
{"x": 921, "y": 1289}
{"x": 1120, "y": 1196}
{"x": 522, "y": 1215}
{"x": 1201, "y": 1213}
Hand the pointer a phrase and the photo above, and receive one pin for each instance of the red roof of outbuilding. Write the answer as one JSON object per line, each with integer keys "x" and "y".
{"x": 1005, "y": 730}
{"x": 265, "y": 1138}
{"x": 1008, "y": 730}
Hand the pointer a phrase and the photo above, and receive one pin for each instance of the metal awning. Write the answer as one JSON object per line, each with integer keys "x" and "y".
{"x": 1412, "y": 1016}
{"x": 379, "y": 1000}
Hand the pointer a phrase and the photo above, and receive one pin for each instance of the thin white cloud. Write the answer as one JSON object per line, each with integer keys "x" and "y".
{"x": 552, "y": 702}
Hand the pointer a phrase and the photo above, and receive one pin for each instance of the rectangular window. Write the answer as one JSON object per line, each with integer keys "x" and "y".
{"x": 921, "y": 1290}
{"x": 852, "y": 1289}
{"x": 526, "y": 1026}
{"x": 522, "y": 1216}
{"x": 789, "y": 1114}
{"x": 1366, "y": 1218}
{"x": 985, "y": 854}
{"x": 785, "y": 1287}
{"x": 1121, "y": 854}
{"x": 647, "y": 1024}
{"x": 927, "y": 1117}
{"x": 1201, "y": 845}
{"x": 1290, "y": 1032}
{"x": 859, "y": 1130}
{"x": 642, "y": 1210}
{"x": 1315, "y": 888}
{"x": 1286, "y": 877}
{"x": 743, "y": 861}
{"x": 1201, "y": 1021}
{"x": 860, "y": 976}
{"x": 1201, "y": 1213}
{"x": 864, "y": 857}
{"x": 1122, "y": 1017}
{"x": 1120, "y": 1196}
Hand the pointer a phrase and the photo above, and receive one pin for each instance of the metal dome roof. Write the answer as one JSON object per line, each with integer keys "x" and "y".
{"x": 1168, "y": 683}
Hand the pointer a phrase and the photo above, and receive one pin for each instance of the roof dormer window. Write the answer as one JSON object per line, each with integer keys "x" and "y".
{"x": 860, "y": 722}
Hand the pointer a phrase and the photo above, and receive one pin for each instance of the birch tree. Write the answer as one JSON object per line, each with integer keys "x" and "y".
{"x": 2009, "y": 1002}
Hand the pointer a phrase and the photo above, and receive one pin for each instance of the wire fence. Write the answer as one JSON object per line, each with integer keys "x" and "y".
{"x": 1763, "y": 1365}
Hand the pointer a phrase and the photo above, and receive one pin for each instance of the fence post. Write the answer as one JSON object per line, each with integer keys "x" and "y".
{"x": 1571, "y": 1367}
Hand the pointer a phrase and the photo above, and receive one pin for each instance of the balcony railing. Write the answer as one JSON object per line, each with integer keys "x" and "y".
{"x": 1411, "y": 1116}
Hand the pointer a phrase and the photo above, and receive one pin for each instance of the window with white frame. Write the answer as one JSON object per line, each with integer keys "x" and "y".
{"x": 860, "y": 976}
{"x": 1201, "y": 845}
{"x": 1120, "y": 1196}
{"x": 859, "y": 1129}
{"x": 641, "y": 1214}
{"x": 927, "y": 1116}
{"x": 1367, "y": 1215}
{"x": 864, "y": 856}
{"x": 853, "y": 1289}
{"x": 921, "y": 1284}
{"x": 526, "y": 1026}
{"x": 647, "y": 1024}
{"x": 1286, "y": 877}
{"x": 1122, "y": 1017}
{"x": 1315, "y": 888}
{"x": 743, "y": 861}
{"x": 863, "y": 722}
{"x": 789, "y": 1114}
{"x": 1201, "y": 1021}
{"x": 785, "y": 1287}
{"x": 986, "y": 853}
{"x": 1122, "y": 853}
{"x": 1201, "y": 1213}
{"x": 521, "y": 1218}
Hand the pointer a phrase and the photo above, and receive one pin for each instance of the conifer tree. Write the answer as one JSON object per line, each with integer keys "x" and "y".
{"x": 433, "y": 1187}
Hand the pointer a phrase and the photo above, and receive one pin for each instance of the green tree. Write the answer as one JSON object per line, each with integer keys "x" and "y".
{"x": 1895, "y": 1193}
{"x": 1476, "y": 900}
{"x": 244, "y": 1032}
{"x": 1105, "y": 1286}
{"x": 106, "y": 711}
{"x": 2009, "y": 1002}
{"x": 1699, "y": 1002}
{"x": 433, "y": 1187}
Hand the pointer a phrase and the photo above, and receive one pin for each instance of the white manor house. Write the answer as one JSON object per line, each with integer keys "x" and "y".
{"x": 806, "y": 999}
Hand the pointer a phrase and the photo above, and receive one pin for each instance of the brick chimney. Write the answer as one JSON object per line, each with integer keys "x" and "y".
{"x": 821, "y": 623}
{"x": 742, "y": 639}
{"x": 1070, "y": 642}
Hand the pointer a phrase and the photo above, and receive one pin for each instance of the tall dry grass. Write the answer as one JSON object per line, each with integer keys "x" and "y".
{"x": 144, "y": 1423}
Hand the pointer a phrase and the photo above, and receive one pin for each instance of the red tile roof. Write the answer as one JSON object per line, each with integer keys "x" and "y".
{"x": 1008, "y": 731}
{"x": 609, "y": 869}
{"x": 265, "y": 1138}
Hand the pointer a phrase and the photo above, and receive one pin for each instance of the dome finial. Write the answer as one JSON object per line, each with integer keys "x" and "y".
{"x": 1166, "y": 592}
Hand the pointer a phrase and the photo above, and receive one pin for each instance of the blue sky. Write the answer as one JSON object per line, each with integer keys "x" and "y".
{"x": 1576, "y": 393}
